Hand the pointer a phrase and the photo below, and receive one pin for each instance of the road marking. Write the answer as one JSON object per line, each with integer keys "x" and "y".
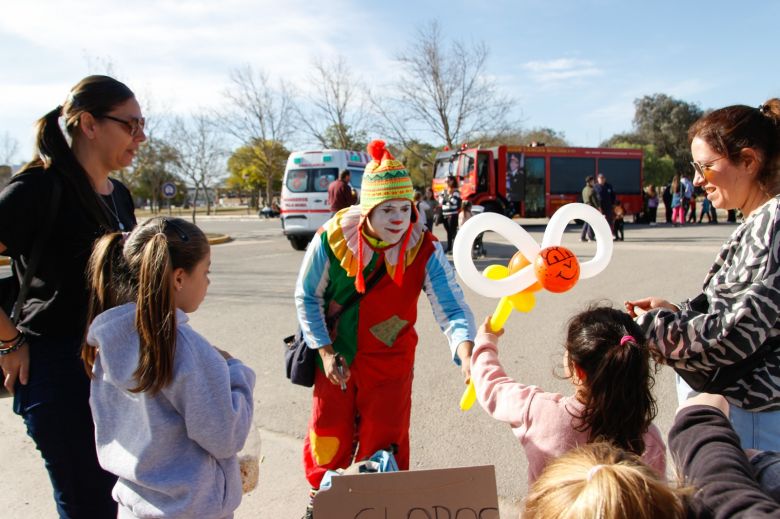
{"x": 245, "y": 241}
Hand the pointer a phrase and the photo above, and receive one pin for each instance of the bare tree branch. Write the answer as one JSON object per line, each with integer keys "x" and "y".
{"x": 200, "y": 154}
{"x": 338, "y": 106}
{"x": 445, "y": 91}
{"x": 260, "y": 116}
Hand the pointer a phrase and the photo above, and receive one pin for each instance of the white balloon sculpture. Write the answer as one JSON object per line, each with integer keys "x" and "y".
{"x": 520, "y": 238}
{"x": 508, "y": 286}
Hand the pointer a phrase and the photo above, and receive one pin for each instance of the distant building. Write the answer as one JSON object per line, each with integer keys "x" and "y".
{"x": 201, "y": 196}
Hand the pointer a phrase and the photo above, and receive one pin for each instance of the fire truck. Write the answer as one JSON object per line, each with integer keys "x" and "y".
{"x": 534, "y": 181}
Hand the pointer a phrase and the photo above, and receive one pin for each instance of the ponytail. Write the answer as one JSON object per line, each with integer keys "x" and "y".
{"x": 49, "y": 140}
{"x": 140, "y": 269}
{"x": 105, "y": 271}
{"x": 609, "y": 347}
{"x": 105, "y": 267}
{"x": 155, "y": 317}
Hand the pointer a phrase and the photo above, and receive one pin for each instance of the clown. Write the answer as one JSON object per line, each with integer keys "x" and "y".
{"x": 373, "y": 341}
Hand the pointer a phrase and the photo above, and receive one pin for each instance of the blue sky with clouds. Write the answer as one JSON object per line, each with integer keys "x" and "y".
{"x": 574, "y": 66}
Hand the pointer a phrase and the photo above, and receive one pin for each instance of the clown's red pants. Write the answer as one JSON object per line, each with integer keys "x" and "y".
{"x": 384, "y": 408}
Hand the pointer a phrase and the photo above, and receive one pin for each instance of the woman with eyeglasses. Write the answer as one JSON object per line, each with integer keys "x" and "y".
{"x": 725, "y": 339}
{"x": 64, "y": 200}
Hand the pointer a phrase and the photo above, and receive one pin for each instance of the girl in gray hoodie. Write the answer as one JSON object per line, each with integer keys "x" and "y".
{"x": 171, "y": 411}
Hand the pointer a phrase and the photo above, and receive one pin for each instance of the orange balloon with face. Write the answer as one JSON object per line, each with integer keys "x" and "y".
{"x": 557, "y": 268}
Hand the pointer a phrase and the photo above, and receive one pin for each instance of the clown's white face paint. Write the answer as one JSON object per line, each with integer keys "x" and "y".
{"x": 389, "y": 220}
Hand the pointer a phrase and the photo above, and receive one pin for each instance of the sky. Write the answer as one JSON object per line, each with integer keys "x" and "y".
{"x": 573, "y": 66}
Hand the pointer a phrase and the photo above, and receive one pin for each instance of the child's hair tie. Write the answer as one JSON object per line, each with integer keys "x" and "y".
{"x": 592, "y": 471}
{"x": 627, "y": 338}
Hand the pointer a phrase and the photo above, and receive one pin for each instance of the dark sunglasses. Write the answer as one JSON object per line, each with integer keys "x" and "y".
{"x": 134, "y": 125}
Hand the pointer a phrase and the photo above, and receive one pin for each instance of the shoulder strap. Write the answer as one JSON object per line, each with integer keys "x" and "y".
{"x": 37, "y": 251}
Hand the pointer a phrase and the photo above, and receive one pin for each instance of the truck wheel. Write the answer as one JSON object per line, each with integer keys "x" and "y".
{"x": 299, "y": 242}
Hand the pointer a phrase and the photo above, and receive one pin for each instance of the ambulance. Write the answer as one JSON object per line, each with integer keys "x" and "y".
{"x": 308, "y": 174}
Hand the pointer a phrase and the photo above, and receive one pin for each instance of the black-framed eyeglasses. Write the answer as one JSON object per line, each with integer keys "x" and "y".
{"x": 134, "y": 125}
{"x": 700, "y": 168}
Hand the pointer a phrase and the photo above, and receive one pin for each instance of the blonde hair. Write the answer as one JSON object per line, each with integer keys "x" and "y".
{"x": 603, "y": 481}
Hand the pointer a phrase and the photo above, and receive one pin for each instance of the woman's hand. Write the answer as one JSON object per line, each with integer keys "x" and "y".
{"x": 641, "y": 306}
{"x": 16, "y": 365}
{"x": 330, "y": 362}
{"x": 464, "y": 354}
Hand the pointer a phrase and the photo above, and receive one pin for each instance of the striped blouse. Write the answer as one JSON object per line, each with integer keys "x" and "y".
{"x": 737, "y": 311}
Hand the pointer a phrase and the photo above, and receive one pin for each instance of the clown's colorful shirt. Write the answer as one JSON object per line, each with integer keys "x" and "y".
{"x": 383, "y": 321}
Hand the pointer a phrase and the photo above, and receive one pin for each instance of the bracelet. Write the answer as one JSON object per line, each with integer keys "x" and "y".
{"x": 9, "y": 341}
{"x": 18, "y": 344}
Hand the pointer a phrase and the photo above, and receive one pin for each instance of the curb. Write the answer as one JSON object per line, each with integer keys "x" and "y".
{"x": 213, "y": 240}
{"x": 219, "y": 239}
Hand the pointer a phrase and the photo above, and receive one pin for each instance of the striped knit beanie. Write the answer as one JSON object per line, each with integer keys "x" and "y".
{"x": 384, "y": 179}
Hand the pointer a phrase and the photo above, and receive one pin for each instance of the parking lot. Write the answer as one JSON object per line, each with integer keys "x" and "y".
{"x": 249, "y": 309}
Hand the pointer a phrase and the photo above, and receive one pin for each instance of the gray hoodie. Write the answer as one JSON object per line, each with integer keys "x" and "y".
{"x": 174, "y": 452}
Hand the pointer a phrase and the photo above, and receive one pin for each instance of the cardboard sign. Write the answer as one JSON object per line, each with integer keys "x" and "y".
{"x": 458, "y": 493}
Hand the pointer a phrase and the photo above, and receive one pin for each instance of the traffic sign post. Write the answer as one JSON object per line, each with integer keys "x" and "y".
{"x": 169, "y": 191}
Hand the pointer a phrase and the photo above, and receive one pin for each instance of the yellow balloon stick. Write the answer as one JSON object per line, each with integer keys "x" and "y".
{"x": 469, "y": 397}
{"x": 522, "y": 302}
{"x": 501, "y": 314}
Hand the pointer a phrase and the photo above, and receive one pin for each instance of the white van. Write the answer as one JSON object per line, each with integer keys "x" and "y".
{"x": 305, "y": 189}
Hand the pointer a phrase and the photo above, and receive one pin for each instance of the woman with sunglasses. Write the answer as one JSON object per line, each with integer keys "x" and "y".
{"x": 726, "y": 339}
{"x": 40, "y": 355}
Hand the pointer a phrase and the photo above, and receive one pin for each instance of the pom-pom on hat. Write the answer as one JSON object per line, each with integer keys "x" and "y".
{"x": 384, "y": 179}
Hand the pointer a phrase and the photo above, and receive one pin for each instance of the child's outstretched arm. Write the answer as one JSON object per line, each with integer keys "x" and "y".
{"x": 499, "y": 395}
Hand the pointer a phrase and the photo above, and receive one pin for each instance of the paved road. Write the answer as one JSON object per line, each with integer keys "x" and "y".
{"x": 250, "y": 308}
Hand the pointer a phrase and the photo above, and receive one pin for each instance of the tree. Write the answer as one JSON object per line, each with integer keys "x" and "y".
{"x": 663, "y": 121}
{"x": 344, "y": 138}
{"x": 260, "y": 114}
{"x": 419, "y": 157}
{"x": 155, "y": 164}
{"x": 250, "y": 169}
{"x": 627, "y": 137}
{"x": 338, "y": 110}
{"x": 443, "y": 90}
{"x": 199, "y": 155}
{"x": 546, "y": 136}
{"x": 9, "y": 148}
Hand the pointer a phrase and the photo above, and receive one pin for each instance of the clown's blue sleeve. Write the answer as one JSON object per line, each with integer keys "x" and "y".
{"x": 309, "y": 294}
{"x": 449, "y": 305}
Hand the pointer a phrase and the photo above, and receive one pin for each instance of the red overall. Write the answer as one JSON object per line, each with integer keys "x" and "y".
{"x": 379, "y": 390}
